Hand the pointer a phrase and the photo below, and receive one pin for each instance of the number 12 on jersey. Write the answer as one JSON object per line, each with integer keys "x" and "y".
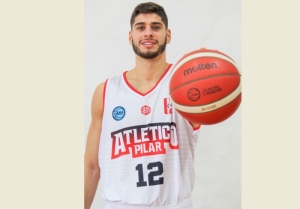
{"x": 151, "y": 174}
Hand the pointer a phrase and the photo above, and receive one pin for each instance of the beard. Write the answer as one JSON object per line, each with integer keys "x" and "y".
{"x": 149, "y": 54}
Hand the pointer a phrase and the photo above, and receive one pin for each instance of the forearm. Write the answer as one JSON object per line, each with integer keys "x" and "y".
{"x": 91, "y": 179}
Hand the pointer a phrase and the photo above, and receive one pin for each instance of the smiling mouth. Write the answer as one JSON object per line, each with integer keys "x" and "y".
{"x": 148, "y": 42}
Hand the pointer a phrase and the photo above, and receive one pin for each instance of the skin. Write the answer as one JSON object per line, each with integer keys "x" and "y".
{"x": 148, "y": 33}
{"x": 91, "y": 165}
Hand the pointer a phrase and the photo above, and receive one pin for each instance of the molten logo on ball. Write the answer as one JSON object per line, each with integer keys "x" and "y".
{"x": 193, "y": 94}
{"x": 200, "y": 66}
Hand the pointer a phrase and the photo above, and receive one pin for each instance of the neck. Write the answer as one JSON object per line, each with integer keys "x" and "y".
{"x": 147, "y": 72}
{"x": 150, "y": 69}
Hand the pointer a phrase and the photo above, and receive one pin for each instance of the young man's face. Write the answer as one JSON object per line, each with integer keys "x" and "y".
{"x": 149, "y": 35}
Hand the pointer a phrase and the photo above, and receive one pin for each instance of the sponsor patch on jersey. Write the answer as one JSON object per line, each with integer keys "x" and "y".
{"x": 118, "y": 113}
{"x": 167, "y": 106}
{"x": 144, "y": 140}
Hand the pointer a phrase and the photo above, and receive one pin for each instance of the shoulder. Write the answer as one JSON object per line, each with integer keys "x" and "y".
{"x": 99, "y": 89}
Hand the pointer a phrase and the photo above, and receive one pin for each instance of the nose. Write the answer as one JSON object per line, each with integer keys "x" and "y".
{"x": 148, "y": 33}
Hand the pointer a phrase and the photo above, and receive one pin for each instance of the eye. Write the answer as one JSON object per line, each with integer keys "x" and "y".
{"x": 140, "y": 28}
{"x": 156, "y": 28}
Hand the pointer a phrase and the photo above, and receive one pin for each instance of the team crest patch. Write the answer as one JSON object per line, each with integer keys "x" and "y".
{"x": 118, "y": 113}
{"x": 145, "y": 110}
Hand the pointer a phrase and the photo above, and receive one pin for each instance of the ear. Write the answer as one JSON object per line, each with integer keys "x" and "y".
{"x": 169, "y": 36}
{"x": 130, "y": 37}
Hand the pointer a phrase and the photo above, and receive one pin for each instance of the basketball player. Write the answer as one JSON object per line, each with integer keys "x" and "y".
{"x": 138, "y": 144}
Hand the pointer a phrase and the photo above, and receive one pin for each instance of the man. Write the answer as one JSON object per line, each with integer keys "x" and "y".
{"x": 140, "y": 145}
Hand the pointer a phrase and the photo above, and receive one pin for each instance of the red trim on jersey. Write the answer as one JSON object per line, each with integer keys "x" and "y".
{"x": 144, "y": 94}
{"x": 103, "y": 95}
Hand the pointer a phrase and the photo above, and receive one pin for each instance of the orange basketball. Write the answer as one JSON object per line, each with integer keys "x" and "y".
{"x": 205, "y": 86}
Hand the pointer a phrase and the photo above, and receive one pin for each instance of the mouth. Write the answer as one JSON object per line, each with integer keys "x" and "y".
{"x": 148, "y": 43}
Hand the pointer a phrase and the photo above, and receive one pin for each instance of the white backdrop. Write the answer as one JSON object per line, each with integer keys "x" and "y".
{"x": 213, "y": 24}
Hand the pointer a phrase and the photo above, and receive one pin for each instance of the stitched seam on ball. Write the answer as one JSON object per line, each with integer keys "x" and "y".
{"x": 214, "y": 109}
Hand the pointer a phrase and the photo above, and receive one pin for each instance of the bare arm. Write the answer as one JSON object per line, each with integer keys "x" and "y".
{"x": 91, "y": 166}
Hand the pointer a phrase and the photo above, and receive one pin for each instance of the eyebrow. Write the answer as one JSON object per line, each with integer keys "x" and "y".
{"x": 152, "y": 23}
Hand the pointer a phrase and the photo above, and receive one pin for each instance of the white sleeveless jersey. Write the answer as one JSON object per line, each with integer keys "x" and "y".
{"x": 146, "y": 153}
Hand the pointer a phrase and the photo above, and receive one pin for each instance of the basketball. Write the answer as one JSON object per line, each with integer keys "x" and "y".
{"x": 205, "y": 86}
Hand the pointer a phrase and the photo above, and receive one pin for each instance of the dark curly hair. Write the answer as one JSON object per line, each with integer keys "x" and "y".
{"x": 149, "y": 7}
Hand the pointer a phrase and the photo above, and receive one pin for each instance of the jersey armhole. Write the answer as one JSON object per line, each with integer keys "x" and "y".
{"x": 103, "y": 95}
